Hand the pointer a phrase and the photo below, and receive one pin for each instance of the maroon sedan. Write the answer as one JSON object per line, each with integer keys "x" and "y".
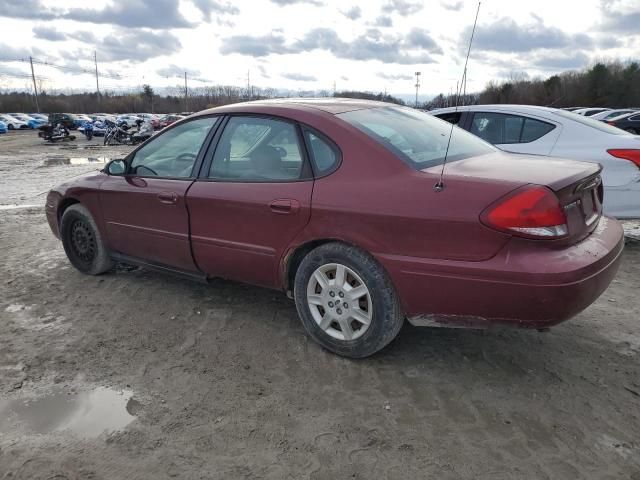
{"x": 349, "y": 207}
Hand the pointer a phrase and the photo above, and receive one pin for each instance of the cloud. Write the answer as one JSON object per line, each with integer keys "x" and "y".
{"x": 9, "y": 52}
{"x": 208, "y": 7}
{"x": 259, "y": 46}
{"x": 48, "y": 33}
{"x": 620, "y": 17}
{"x": 395, "y": 77}
{"x": 383, "y": 21}
{"x": 31, "y": 9}
{"x": 158, "y": 14}
{"x": 299, "y": 77}
{"x": 454, "y": 6}
{"x": 561, "y": 61}
{"x": 283, "y": 3}
{"x": 372, "y": 45}
{"x": 84, "y": 36}
{"x": 402, "y": 7}
{"x": 353, "y": 13}
{"x": 176, "y": 71}
{"x": 138, "y": 45}
{"x": 505, "y": 35}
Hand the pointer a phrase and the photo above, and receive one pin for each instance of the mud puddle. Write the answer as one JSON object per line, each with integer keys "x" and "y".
{"x": 86, "y": 414}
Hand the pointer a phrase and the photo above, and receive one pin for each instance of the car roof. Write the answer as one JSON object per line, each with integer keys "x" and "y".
{"x": 501, "y": 107}
{"x": 329, "y": 105}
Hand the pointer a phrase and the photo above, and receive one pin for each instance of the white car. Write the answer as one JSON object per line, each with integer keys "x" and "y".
{"x": 609, "y": 114}
{"x": 558, "y": 133}
{"x": 130, "y": 120}
{"x": 13, "y": 123}
{"x": 587, "y": 112}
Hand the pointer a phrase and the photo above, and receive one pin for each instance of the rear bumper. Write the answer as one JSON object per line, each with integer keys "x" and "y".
{"x": 526, "y": 284}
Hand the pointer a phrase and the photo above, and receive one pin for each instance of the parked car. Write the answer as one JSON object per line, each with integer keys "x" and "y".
{"x": 32, "y": 122}
{"x": 39, "y": 116}
{"x": 554, "y": 132}
{"x": 629, "y": 122}
{"x": 165, "y": 121}
{"x": 3, "y": 127}
{"x": 80, "y": 119}
{"x": 13, "y": 123}
{"x": 587, "y": 112}
{"x": 609, "y": 114}
{"x": 129, "y": 120}
{"x": 341, "y": 203}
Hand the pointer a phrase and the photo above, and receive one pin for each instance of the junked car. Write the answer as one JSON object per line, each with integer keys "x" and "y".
{"x": 554, "y": 132}
{"x": 365, "y": 213}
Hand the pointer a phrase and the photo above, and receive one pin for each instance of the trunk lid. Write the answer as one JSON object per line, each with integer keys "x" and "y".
{"x": 576, "y": 184}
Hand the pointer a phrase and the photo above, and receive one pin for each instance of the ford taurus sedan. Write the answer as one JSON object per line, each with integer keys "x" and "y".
{"x": 350, "y": 207}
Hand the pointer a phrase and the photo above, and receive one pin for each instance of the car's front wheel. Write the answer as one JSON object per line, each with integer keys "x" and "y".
{"x": 346, "y": 300}
{"x": 82, "y": 241}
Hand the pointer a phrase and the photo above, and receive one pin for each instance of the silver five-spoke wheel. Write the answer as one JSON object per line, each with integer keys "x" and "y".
{"x": 339, "y": 301}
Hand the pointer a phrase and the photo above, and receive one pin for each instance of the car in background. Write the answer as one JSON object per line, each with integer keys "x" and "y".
{"x": 554, "y": 132}
{"x": 3, "y": 127}
{"x": 629, "y": 122}
{"x": 39, "y": 116}
{"x": 609, "y": 114}
{"x": 572, "y": 109}
{"x": 165, "y": 121}
{"x": 13, "y": 123}
{"x": 587, "y": 112}
{"x": 31, "y": 121}
{"x": 129, "y": 120}
{"x": 335, "y": 201}
{"x": 80, "y": 119}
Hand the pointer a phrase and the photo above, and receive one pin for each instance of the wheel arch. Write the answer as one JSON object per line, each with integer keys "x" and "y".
{"x": 295, "y": 255}
{"x": 63, "y": 205}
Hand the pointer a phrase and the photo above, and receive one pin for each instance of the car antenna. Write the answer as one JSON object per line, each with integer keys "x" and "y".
{"x": 439, "y": 186}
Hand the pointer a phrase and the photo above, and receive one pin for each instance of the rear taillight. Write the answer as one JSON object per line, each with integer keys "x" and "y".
{"x": 533, "y": 212}
{"x": 631, "y": 154}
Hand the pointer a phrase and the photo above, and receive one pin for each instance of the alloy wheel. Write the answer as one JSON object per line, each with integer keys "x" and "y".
{"x": 339, "y": 301}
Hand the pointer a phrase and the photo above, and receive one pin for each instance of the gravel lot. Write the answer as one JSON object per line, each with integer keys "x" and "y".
{"x": 138, "y": 375}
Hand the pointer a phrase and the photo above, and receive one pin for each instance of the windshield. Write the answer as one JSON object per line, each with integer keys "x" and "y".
{"x": 590, "y": 122}
{"x": 416, "y": 137}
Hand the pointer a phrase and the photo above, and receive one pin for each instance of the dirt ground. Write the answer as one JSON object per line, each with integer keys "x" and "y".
{"x": 134, "y": 374}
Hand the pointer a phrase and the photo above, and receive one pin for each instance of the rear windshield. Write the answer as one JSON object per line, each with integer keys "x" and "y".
{"x": 590, "y": 122}
{"x": 416, "y": 137}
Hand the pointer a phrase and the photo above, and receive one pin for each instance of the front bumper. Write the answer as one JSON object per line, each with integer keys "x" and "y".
{"x": 526, "y": 284}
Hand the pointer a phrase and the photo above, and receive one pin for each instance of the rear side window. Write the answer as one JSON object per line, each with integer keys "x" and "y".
{"x": 634, "y": 118}
{"x": 256, "y": 149}
{"x": 451, "y": 117}
{"x": 501, "y": 128}
{"x": 324, "y": 155}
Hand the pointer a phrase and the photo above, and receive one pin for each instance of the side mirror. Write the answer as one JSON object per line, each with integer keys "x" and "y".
{"x": 116, "y": 168}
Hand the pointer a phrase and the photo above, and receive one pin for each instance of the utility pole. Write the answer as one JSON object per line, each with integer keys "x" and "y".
{"x": 95, "y": 61}
{"x": 417, "y": 86}
{"x": 186, "y": 94}
{"x": 334, "y": 88}
{"x": 248, "y": 85}
{"x": 35, "y": 87}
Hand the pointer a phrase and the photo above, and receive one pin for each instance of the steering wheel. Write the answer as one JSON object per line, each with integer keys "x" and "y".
{"x": 153, "y": 172}
{"x": 186, "y": 157}
{"x": 281, "y": 151}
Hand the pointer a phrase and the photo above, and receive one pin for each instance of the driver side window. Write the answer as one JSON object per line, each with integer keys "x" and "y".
{"x": 173, "y": 153}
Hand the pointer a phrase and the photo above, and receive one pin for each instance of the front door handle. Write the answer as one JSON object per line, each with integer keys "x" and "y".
{"x": 284, "y": 206}
{"x": 168, "y": 198}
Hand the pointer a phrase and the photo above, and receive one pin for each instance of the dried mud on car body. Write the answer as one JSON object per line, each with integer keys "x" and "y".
{"x": 223, "y": 383}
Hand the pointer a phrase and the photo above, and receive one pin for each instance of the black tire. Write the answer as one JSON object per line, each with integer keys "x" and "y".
{"x": 632, "y": 130}
{"x": 10, "y": 127}
{"x": 387, "y": 316}
{"x": 82, "y": 241}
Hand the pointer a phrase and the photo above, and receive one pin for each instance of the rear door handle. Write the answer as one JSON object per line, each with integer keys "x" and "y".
{"x": 284, "y": 206}
{"x": 168, "y": 198}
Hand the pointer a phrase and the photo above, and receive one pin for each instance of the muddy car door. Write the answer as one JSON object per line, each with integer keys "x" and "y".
{"x": 251, "y": 199}
{"x": 144, "y": 209}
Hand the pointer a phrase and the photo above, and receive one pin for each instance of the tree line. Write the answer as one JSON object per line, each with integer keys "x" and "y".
{"x": 612, "y": 84}
{"x": 606, "y": 84}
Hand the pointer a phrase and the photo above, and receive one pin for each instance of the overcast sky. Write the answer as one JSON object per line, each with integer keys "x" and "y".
{"x": 306, "y": 45}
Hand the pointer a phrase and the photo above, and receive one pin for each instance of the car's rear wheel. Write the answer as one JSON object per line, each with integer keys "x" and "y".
{"x": 82, "y": 241}
{"x": 632, "y": 130}
{"x": 346, "y": 300}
